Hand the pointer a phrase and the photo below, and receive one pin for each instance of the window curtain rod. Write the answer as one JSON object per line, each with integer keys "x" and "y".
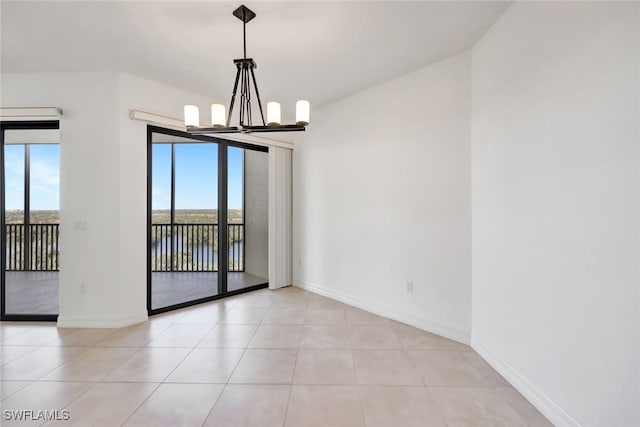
{"x": 27, "y": 113}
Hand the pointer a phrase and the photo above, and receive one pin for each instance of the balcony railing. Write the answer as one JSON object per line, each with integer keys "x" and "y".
{"x": 178, "y": 248}
{"x": 33, "y": 250}
{"x": 194, "y": 247}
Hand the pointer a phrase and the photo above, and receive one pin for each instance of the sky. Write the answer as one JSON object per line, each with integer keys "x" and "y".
{"x": 196, "y": 176}
{"x": 45, "y": 177}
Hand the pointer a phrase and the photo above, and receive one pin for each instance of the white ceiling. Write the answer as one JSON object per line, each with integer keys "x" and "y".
{"x": 320, "y": 51}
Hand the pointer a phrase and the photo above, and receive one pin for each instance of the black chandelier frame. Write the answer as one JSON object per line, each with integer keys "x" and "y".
{"x": 245, "y": 78}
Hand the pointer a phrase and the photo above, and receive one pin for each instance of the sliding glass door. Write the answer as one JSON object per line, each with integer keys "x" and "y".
{"x": 197, "y": 238}
{"x": 30, "y": 195}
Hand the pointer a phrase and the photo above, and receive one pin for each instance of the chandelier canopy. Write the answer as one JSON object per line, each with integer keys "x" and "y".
{"x": 245, "y": 79}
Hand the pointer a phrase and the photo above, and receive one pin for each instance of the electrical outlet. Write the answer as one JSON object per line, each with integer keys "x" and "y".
{"x": 410, "y": 287}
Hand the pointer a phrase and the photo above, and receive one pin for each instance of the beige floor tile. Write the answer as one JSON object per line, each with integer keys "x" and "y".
{"x": 250, "y": 406}
{"x": 106, "y": 404}
{"x": 136, "y": 335}
{"x": 399, "y": 406}
{"x": 181, "y": 335}
{"x": 284, "y": 297}
{"x": 169, "y": 316}
{"x": 194, "y": 400}
{"x": 385, "y": 367}
{"x": 471, "y": 407}
{"x": 324, "y": 367}
{"x": 284, "y": 316}
{"x": 251, "y": 300}
{"x": 91, "y": 365}
{"x": 525, "y": 410}
{"x": 325, "y": 316}
{"x": 207, "y": 365}
{"x": 415, "y": 339}
{"x": 322, "y": 406}
{"x": 7, "y": 388}
{"x": 12, "y": 352}
{"x": 490, "y": 374}
{"x": 355, "y": 316}
{"x": 36, "y": 335}
{"x": 448, "y": 369}
{"x": 317, "y": 301}
{"x": 8, "y": 330}
{"x": 229, "y": 336}
{"x": 259, "y": 366}
{"x": 151, "y": 364}
{"x": 210, "y": 315}
{"x": 244, "y": 316}
{"x": 290, "y": 301}
{"x": 373, "y": 337}
{"x": 82, "y": 337}
{"x": 43, "y": 395}
{"x": 276, "y": 336}
{"x": 39, "y": 362}
{"x": 324, "y": 336}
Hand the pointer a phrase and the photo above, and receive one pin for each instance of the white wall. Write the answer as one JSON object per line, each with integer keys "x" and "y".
{"x": 102, "y": 182}
{"x": 382, "y": 197}
{"x": 555, "y": 207}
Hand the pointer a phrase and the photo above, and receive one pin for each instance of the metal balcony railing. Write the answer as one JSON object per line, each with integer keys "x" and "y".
{"x": 194, "y": 247}
{"x": 34, "y": 248}
{"x": 177, "y": 247}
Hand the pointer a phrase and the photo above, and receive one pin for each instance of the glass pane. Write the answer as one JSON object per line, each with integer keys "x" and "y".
{"x": 14, "y": 206}
{"x": 161, "y": 184}
{"x": 196, "y": 183}
{"x": 32, "y": 267}
{"x": 248, "y": 225}
{"x": 14, "y": 183}
{"x": 44, "y": 167}
{"x": 44, "y": 203}
{"x": 184, "y": 253}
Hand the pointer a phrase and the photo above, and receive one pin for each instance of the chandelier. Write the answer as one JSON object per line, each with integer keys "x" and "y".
{"x": 245, "y": 79}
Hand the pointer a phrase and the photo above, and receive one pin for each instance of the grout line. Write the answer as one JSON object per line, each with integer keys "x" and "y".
{"x": 141, "y": 403}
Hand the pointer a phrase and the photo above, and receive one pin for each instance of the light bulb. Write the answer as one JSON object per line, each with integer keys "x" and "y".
{"x": 191, "y": 116}
{"x": 273, "y": 113}
{"x": 218, "y": 116}
{"x": 302, "y": 113}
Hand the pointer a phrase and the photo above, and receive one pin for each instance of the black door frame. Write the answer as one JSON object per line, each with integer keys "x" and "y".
{"x": 19, "y": 125}
{"x": 223, "y": 144}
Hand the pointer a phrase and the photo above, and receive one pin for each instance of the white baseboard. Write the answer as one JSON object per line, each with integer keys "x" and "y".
{"x": 420, "y": 323}
{"x": 558, "y": 416}
{"x": 70, "y": 322}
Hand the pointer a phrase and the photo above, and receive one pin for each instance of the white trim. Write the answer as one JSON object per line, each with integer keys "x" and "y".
{"x": 178, "y": 124}
{"x": 65, "y": 322}
{"x": 558, "y": 416}
{"x": 420, "y": 323}
{"x": 30, "y": 113}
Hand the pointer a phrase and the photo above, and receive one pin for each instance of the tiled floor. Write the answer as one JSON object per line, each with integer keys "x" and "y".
{"x": 268, "y": 358}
